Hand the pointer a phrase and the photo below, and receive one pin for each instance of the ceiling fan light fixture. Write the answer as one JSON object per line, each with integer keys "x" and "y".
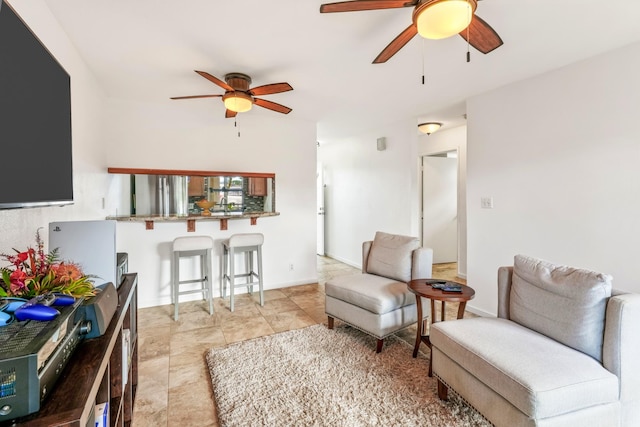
{"x": 238, "y": 102}
{"x": 439, "y": 19}
{"x": 429, "y": 127}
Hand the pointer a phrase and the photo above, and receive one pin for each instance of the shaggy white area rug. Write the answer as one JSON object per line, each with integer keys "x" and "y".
{"x": 320, "y": 377}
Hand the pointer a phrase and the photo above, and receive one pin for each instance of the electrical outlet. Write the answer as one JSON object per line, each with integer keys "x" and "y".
{"x": 290, "y": 267}
{"x": 486, "y": 202}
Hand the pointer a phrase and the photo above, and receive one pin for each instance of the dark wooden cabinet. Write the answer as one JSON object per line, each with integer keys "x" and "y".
{"x": 257, "y": 186}
{"x": 196, "y": 186}
{"x": 96, "y": 372}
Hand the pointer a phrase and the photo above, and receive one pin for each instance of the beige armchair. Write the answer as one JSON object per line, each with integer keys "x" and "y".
{"x": 378, "y": 301}
{"x": 563, "y": 351}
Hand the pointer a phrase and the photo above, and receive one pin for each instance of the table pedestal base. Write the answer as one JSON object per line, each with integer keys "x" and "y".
{"x": 420, "y": 336}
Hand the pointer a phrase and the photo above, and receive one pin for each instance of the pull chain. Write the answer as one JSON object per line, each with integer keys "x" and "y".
{"x": 468, "y": 39}
{"x": 235, "y": 124}
{"x": 424, "y": 45}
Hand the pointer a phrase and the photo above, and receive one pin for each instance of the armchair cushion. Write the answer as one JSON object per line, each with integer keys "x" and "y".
{"x": 376, "y": 294}
{"x": 564, "y": 303}
{"x": 538, "y": 375}
{"x": 390, "y": 256}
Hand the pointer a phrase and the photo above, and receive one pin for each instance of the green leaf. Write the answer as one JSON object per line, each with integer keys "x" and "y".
{"x": 6, "y": 276}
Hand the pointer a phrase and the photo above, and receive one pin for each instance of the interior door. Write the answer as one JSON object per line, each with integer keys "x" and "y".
{"x": 320, "y": 204}
{"x": 439, "y": 199}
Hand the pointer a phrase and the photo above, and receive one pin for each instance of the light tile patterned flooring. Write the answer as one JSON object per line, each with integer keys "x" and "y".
{"x": 173, "y": 384}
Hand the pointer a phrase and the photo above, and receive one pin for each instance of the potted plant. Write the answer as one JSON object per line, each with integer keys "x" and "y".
{"x": 33, "y": 272}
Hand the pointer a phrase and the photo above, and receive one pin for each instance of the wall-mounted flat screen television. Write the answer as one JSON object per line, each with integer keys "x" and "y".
{"x": 35, "y": 120}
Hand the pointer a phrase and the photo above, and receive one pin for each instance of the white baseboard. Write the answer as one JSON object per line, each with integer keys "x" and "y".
{"x": 344, "y": 261}
{"x": 166, "y": 299}
{"x": 296, "y": 283}
{"x": 478, "y": 311}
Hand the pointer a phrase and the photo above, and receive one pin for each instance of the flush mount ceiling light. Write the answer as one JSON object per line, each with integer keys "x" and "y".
{"x": 429, "y": 127}
{"x": 240, "y": 97}
{"x": 238, "y": 102}
{"x": 439, "y": 19}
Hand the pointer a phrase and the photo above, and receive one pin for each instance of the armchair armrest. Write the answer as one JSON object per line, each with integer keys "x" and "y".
{"x": 422, "y": 263}
{"x": 505, "y": 276}
{"x": 366, "y": 248}
{"x": 621, "y": 349}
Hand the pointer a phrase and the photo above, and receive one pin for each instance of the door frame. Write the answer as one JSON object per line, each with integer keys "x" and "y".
{"x": 321, "y": 225}
{"x": 422, "y": 202}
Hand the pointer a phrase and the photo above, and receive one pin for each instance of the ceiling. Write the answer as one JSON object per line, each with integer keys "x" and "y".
{"x": 146, "y": 51}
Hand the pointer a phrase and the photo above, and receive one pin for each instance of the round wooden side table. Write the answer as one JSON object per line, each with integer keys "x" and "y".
{"x": 423, "y": 288}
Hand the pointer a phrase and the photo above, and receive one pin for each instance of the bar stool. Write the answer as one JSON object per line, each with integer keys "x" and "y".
{"x": 192, "y": 246}
{"x": 248, "y": 244}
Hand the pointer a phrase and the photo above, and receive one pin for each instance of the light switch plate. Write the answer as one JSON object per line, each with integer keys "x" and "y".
{"x": 486, "y": 202}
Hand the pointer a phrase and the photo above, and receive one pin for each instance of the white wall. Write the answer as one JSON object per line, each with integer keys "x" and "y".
{"x": 440, "y": 142}
{"x": 172, "y": 135}
{"x": 560, "y": 155}
{"x": 369, "y": 190}
{"x": 18, "y": 226}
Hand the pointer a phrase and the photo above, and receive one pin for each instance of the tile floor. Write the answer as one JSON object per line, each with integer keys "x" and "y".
{"x": 173, "y": 379}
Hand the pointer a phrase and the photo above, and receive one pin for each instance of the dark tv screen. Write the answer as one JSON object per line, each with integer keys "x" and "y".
{"x": 35, "y": 120}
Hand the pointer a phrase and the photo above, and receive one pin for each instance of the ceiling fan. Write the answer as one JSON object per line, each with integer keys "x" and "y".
{"x": 239, "y": 97}
{"x": 433, "y": 19}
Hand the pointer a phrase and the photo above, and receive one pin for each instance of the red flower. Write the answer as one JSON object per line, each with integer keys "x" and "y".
{"x": 18, "y": 278}
{"x": 66, "y": 272}
{"x": 17, "y": 288}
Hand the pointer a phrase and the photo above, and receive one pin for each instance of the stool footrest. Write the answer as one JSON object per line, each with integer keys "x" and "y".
{"x": 192, "y": 291}
{"x": 243, "y": 284}
{"x": 237, "y": 276}
{"x": 182, "y": 282}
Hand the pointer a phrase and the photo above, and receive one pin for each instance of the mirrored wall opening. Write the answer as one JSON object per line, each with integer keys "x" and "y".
{"x": 196, "y": 195}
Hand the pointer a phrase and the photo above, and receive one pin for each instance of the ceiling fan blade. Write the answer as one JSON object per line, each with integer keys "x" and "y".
{"x": 230, "y": 114}
{"x": 215, "y": 80}
{"x": 271, "y": 105}
{"x": 271, "y": 88}
{"x": 481, "y": 35}
{"x": 356, "y": 5}
{"x": 195, "y": 96}
{"x": 397, "y": 44}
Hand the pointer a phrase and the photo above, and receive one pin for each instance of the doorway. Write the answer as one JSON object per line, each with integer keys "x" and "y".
{"x": 439, "y": 205}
